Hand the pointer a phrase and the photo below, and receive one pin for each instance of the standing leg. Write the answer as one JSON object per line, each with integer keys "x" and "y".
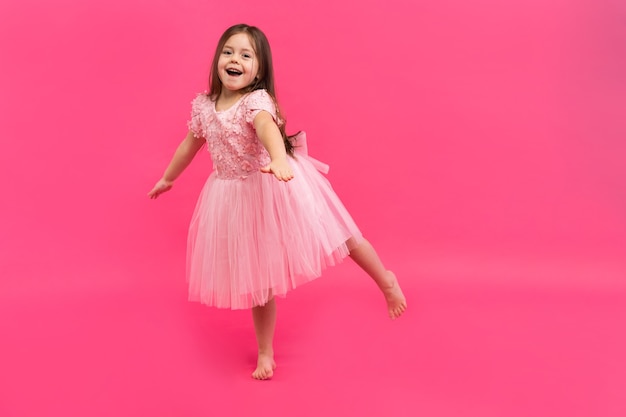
{"x": 264, "y": 318}
{"x": 366, "y": 257}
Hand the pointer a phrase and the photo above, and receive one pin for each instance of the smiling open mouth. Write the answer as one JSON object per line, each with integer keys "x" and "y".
{"x": 233, "y": 72}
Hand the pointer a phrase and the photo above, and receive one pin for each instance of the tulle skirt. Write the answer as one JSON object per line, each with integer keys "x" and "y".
{"x": 254, "y": 238}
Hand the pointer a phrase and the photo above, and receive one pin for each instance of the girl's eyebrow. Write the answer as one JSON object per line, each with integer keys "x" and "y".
{"x": 244, "y": 49}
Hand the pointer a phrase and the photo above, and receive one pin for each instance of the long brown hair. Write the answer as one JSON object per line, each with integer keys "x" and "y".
{"x": 265, "y": 75}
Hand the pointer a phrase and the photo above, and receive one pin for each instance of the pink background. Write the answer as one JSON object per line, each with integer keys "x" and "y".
{"x": 479, "y": 145}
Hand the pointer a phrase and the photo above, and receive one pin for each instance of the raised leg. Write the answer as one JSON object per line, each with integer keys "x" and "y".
{"x": 264, "y": 318}
{"x": 366, "y": 257}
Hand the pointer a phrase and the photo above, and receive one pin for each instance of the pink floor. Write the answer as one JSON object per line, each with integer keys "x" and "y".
{"x": 468, "y": 345}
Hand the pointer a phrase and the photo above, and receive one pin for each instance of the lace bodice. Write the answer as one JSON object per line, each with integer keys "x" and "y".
{"x": 232, "y": 141}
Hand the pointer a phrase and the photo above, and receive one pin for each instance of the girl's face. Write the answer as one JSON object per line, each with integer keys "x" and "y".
{"x": 237, "y": 66}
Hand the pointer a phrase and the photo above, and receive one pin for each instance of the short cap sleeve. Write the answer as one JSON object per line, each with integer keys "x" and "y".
{"x": 195, "y": 123}
{"x": 257, "y": 101}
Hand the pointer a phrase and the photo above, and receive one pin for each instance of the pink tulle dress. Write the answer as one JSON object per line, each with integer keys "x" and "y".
{"x": 251, "y": 236}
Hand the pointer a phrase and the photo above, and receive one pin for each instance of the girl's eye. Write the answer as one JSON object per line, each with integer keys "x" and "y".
{"x": 247, "y": 56}
{"x": 227, "y": 52}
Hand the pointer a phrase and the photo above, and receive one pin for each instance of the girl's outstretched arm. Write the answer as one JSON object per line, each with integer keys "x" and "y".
{"x": 183, "y": 156}
{"x": 272, "y": 140}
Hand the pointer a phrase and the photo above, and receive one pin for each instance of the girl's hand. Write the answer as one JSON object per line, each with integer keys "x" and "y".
{"x": 280, "y": 168}
{"x": 162, "y": 186}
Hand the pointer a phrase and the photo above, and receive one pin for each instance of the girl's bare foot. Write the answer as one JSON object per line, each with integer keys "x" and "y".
{"x": 265, "y": 367}
{"x": 396, "y": 302}
{"x": 366, "y": 257}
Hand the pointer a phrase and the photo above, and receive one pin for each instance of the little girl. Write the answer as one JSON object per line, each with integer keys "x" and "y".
{"x": 254, "y": 236}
